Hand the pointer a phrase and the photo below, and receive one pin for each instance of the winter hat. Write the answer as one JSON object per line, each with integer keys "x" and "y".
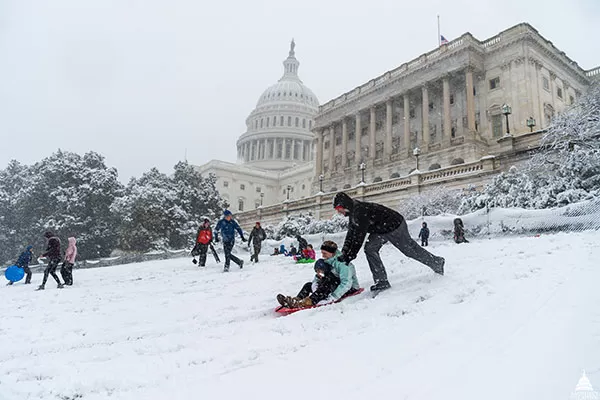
{"x": 226, "y": 213}
{"x": 329, "y": 246}
{"x": 206, "y": 220}
{"x": 425, "y": 224}
{"x": 323, "y": 266}
{"x": 258, "y": 223}
{"x": 343, "y": 200}
{"x": 48, "y": 234}
{"x": 29, "y": 248}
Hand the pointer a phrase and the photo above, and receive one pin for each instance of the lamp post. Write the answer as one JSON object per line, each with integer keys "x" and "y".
{"x": 416, "y": 153}
{"x": 362, "y": 168}
{"x": 262, "y": 195}
{"x": 531, "y": 123}
{"x": 321, "y": 183}
{"x": 506, "y": 110}
{"x": 288, "y": 191}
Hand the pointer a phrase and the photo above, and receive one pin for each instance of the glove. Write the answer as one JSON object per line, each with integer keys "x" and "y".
{"x": 344, "y": 258}
{"x": 194, "y": 261}
{"x": 244, "y": 240}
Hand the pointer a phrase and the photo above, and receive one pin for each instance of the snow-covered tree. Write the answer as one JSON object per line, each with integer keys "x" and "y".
{"x": 305, "y": 224}
{"x": 439, "y": 200}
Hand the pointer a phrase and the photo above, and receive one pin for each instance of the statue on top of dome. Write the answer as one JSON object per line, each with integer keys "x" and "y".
{"x": 292, "y": 47}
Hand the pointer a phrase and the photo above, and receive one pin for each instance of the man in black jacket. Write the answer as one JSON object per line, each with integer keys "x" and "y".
{"x": 53, "y": 254}
{"x": 383, "y": 225}
{"x": 256, "y": 238}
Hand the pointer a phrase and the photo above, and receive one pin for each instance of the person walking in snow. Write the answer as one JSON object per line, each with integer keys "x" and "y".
{"x": 203, "y": 239}
{"x": 23, "y": 262}
{"x": 256, "y": 238}
{"x": 383, "y": 225}
{"x": 66, "y": 271}
{"x": 459, "y": 231}
{"x": 424, "y": 235}
{"x": 333, "y": 280}
{"x": 227, "y": 227}
{"x": 53, "y": 254}
{"x": 302, "y": 244}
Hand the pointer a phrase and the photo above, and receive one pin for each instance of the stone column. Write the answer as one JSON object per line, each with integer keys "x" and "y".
{"x": 425, "y": 122}
{"x": 357, "y": 139}
{"x": 293, "y": 149}
{"x": 319, "y": 161}
{"x": 331, "y": 149}
{"x": 372, "y": 142}
{"x": 265, "y": 152}
{"x": 407, "y": 123}
{"x": 344, "y": 143}
{"x": 447, "y": 133}
{"x": 273, "y": 149}
{"x": 388, "y": 129}
{"x": 470, "y": 101}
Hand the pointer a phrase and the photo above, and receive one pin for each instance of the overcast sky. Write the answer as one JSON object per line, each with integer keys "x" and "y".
{"x": 141, "y": 81}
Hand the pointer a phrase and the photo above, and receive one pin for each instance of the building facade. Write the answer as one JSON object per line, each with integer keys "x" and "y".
{"x": 448, "y": 104}
{"x": 275, "y": 156}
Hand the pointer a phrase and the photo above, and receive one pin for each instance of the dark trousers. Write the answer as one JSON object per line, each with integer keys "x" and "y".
{"x": 424, "y": 241}
{"x": 51, "y": 270}
{"x": 227, "y": 247}
{"x": 326, "y": 286}
{"x": 257, "y": 246}
{"x": 200, "y": 250}
{"x": 66, "y": 271}
{"x": 401, "y": 239}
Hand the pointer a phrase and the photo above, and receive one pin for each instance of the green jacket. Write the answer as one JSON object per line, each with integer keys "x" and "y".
{"x": 346, "y": 273}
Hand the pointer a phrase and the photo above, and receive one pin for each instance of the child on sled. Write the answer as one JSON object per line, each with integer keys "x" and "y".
{"x": 333, "y": 280}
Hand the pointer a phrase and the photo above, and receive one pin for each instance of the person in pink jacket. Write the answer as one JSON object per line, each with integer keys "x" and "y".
{"x": 67, "y": 267}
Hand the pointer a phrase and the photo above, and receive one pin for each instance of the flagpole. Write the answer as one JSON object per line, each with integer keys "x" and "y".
{"x": 439, "y": 33}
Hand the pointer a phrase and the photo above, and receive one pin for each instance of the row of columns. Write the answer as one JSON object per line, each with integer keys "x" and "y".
{"x": 387, "y": 144}
{"x": 254, "y": 150}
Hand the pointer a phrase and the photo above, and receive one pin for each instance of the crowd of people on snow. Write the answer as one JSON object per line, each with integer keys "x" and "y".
{"x": 335, "y": 275}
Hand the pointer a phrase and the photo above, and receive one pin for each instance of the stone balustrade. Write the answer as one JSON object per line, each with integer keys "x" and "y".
{"x": 593, "y": 73}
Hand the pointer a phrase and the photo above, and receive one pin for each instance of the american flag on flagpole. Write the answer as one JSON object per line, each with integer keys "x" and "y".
{"x": 443, "y": 40}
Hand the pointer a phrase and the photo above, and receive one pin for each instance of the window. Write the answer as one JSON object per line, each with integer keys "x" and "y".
{"x": 571, "y": 100}
{"x": 451, "y": 99}
{"x": 546, "y": 83}
{"x": 274, "y": 121}
{"x": 559, "y": 92}
{"x": 225, "y": 184}
{"x": 474, "y": 91}
{"x": 303, "y": 187}
{"x": 281, "y": 121}
{"x": 338, "y": 140}
{"x": 242, "y": 187}
{"x": 268, "y": 120}
{"x": 497, "y": 125}
{"x": 310, "y": 125}
{"x": 261, "y": 122}
{"x": 351, "y": 135}
{"x": 297, "y": 122}
{"x": 240, "y": 205}
{"x": 289, "y": 121}
{"x": 495, "y": 83}
{"x": 431, "y": 106}
{"x": 411, "y": 113}
{"x": 304, "y": 123}
{"x": 258, "y": 189}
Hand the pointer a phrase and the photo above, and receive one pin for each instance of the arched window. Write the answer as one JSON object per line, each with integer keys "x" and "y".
{"x": 261, "y": 122}
{"x": 347, "y": 186}
{"x": 304, "y": 123}
{"x": 457, "y": 161}
{"x": 274, "y": 121}
{"x": 268, "y": 120}
{"x": 297, "y": 122}
{"x": 281, "y": 121}
{"x": 289, "y": 121}
{"x": 434, "y": 166}
{"x": 394, "y": 175}
{"x": 377, "y": 179}
{"x": 310, "y": 124}
{"x": 241, "y": 205}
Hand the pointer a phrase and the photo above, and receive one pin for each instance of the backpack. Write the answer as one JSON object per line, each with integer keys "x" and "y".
{"x": 204, "y": 236}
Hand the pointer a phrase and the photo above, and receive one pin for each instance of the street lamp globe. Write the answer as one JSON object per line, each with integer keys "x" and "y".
{"x": 531, "y": 123}
{"x": 506, "y": 109}
{"x": 416, "y": 152}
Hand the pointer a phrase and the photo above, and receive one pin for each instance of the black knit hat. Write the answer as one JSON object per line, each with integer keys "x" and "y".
{"x": 342, "y": 200}
{"x": 323, "y": 266}
{"x": 329, "y": 247}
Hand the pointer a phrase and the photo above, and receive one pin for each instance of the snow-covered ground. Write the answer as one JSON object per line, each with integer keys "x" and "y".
{"x": 514, "y": 318}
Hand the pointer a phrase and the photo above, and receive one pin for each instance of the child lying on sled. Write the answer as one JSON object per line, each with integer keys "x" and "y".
{"x": 333, "y": 279}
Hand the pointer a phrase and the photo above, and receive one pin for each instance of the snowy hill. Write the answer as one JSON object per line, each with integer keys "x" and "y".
{"x": 514, "y": 318}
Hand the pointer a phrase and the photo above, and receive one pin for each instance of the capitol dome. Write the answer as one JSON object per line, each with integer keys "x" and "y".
{"x": 278, "y": 132}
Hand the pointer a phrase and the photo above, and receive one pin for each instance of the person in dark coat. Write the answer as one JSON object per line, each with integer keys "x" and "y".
{"x": 23, "y": 262}
{"x": 459, "y": 231}
{"x": 203, "y": 239}
{"x": 383, "y": 225}
{"x": 227, "y": 227}
{"x": 302, "y": 244}
{"x": 424, "y": 235}
{"x": 53, "y": 254}
{"x": 256, "y": 238}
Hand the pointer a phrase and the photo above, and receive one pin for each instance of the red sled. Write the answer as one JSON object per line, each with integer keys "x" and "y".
{"x": 287, "y": 311}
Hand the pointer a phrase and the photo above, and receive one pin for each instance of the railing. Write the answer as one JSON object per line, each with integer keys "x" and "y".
{"x": 451, "y": 172}
{"x": 593, "y": 72}
{"x": 387, "y": 185}
{"x": 457, "y": 140}
{"x": 493, "y": 41}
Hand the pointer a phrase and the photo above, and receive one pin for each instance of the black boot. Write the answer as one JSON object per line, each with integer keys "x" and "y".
{"x": 241, "y": 264}
{"x": 381, "y": 285}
